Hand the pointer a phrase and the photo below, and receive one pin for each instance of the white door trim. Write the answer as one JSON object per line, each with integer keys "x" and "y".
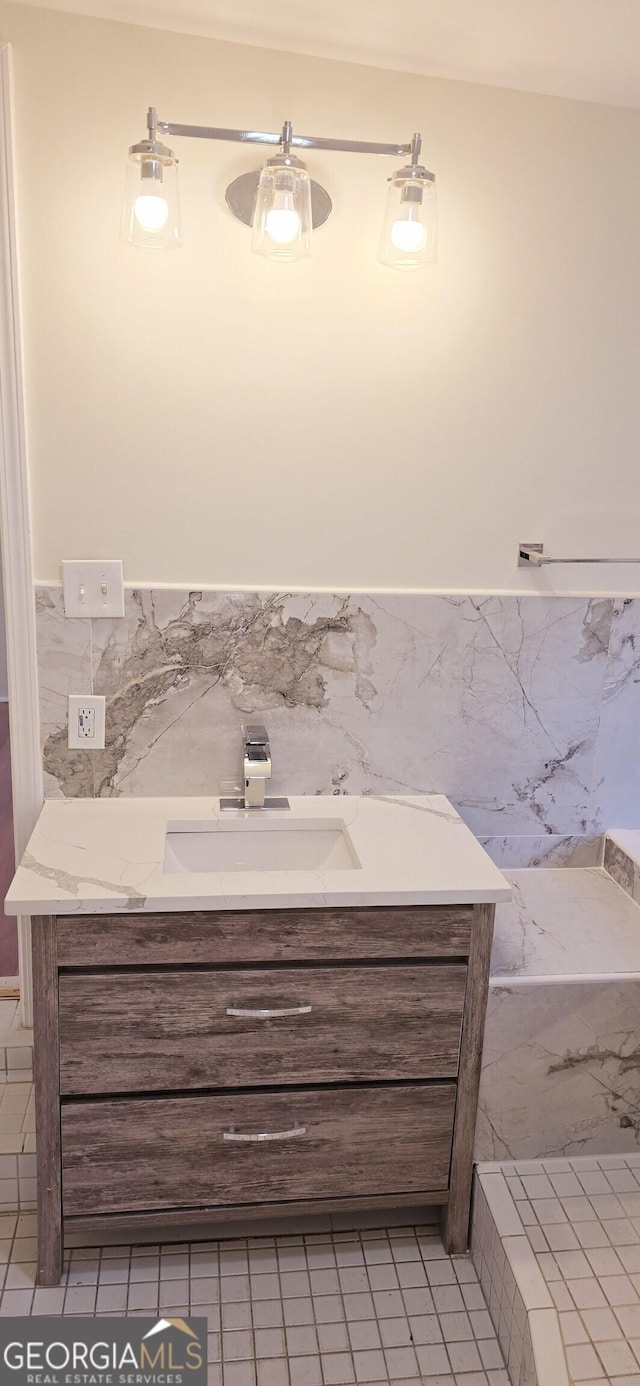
{"x": 15, "y": 530}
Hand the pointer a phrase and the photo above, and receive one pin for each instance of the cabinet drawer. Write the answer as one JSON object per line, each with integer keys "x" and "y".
{"x": 154, "y": 1031}
{"x": 238, "y": 936}
{"x": 189, "y": 1152}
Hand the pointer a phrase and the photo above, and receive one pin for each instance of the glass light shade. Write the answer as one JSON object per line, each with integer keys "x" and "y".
{"x": 282, "y": 217}
{"x": 151, "y": 207}
{"x": 409, "y": 233}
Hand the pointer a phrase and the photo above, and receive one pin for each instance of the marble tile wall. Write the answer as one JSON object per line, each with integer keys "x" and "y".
{"x": 561, "y": 1057}
{"x": 624, "y": 867}
{"x": 561, "y": 1071}
{"x": 521, "y": 710}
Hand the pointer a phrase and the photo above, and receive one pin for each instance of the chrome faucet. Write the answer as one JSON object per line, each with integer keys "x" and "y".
{"x": 256, "y": 764}
{"x": 256, "y": 770}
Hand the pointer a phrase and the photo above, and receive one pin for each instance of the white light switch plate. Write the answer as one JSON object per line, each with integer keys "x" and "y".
{"x": 93, "y": 587}
{"x": 86, "y": 721}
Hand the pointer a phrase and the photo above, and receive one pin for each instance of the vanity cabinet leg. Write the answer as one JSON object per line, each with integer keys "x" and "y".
{"x": 47, "y": 1098}
{"x": 456, "y": 1214}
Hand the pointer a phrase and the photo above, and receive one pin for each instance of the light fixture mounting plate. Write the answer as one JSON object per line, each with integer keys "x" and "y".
{"x": 240, "y": 198}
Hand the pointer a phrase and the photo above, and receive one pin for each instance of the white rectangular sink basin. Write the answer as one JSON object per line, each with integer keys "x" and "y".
{"x": 310, "y": 844}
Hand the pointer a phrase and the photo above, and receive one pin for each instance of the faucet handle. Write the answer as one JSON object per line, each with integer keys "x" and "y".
{"x": 255, "y": 735}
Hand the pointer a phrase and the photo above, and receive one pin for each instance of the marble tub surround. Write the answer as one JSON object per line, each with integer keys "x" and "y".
{"x": 560, "y": 1070}
{"x": 622, "y": 860}
{"x": 561, "y": 1059}
{"x": 109, "y": 855}
{"x": 617, "y": 766}
{"x": 496, "y": 701}
{"x": 565, "y": 924}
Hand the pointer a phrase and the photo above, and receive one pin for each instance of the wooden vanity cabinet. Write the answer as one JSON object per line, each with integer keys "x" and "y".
{"x": 200, "y": 1067}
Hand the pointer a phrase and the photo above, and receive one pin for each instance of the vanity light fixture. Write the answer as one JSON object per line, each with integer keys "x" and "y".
{"x": 409, "y": 232}
{"x": 281, "y": 202}
{"x": 151, "y": 207}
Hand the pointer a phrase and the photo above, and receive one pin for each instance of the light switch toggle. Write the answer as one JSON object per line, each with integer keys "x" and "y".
{"x": 93, "y": 587}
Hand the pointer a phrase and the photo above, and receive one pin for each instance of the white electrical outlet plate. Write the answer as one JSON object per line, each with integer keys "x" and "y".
{"x": 93, "y": 587}
{"x": 86, "y": 721}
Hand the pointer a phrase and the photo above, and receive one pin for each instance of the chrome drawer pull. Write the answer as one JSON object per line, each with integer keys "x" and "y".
{"x": 233, "y": 1135}
{"x": 247, "y": 1013}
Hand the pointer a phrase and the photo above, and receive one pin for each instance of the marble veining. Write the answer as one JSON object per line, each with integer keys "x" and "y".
{"x": 494, "y": 701}
{"x": 616, "y": 777}
{"x": 622, "y": 861}
{"x": 561, "y": 1058}
{"x": 70, "y": 884}
{"x": 561, "y": 1071}
{"x": 544, "y": 851}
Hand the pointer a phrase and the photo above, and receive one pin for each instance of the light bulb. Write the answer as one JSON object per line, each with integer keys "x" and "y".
{"x": 282, "y": 221}
{"x": 282, "y": 210}
{"x": 408, "y": 234}
{"x": 409, "y": 231}
{"x": 151, "y": 211}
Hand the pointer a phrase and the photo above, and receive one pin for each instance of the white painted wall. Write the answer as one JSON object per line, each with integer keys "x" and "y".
{"x": 216, "y": 419}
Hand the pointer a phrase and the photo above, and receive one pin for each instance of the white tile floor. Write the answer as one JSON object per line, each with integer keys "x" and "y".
{"x": 9, "y": 1013}
{"x": 17, "y": 1147}
{"x": 317, "y": 1309}
{"x": 582, "y": 1219}
{"x": 16, "y": 1045}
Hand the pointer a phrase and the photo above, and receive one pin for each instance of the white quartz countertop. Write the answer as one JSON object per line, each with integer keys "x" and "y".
{"x": 94, "y": 855}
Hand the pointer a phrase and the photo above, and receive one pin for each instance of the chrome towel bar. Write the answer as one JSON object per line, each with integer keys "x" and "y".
{"x": 533, "y": 555}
